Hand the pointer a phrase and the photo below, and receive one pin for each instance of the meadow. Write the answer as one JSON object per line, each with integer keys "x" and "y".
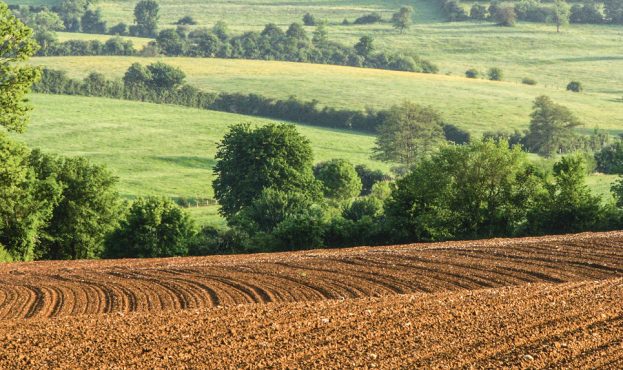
{"x": 160, "y": 149}
{"x": 475, "y": 105}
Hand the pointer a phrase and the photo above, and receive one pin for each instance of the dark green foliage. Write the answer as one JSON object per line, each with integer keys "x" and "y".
{"x": 575, "y": 86}
{"x": 478, "y": 12}
{"x": 369, "y": 178}
{"x": 403, "y": 18}
{"x": 453, "y": 10}
{"x": 363, "y": 207}
{"x": 186, "y": 20}
{"x": 170, "y": 42}
{"x": 614, "y": 11}
{"x": 16, "y": 76}
{"x": 408, "y": 134}
{"x": 146, "y": 18}
{"x": 120, "y": 29}
{"x": 495, "y": 74}
{"x": 26, "y": 201}
{"x": 472, "y": 73}
{"x": 505, "y": 16}
{"x": 567, "y": 205}
{"x": 86, "y": 212}
{"x": 551, "y": 128}
{"x": 92, "y": 22}
{"x": 153, "y": 227}
{"x": 610, "y": 159}
{"x": 478, "y": 190}
{"x": 340, "y": 181}
{"x": 369, "y": 19}
{"x": 164, "y": 77}
{"x": 455, "y": 134}
{"x": 309, "y": 20}
{"x": 251, "y": 159}
{"x": 365, "y": 46}
{"x": 528, "y": 81}
{"x": 588, "y": 12}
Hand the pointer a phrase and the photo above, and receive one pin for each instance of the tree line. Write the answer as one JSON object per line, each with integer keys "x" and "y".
{"x": 165, "y": 84}
{"x": 559, "y": 13}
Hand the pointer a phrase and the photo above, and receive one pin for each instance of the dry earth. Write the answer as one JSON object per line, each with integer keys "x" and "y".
{"x": 552, "y": 302}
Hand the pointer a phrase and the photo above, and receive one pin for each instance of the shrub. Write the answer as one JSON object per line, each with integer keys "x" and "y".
{"x": 575, "y": 86}
{"x": 528, "y": 81}
{"x": 610, "y": 159}
{"x": 495, "y": 74}
{"x": 339, "y": 179}
{"x": 309, "y": 20}
{"x": 369, "y": 19}
{"x": 120, "y": 29}
{"x": 186, "y": 20}
{"x": 472, "y": 73}
{"x": 4, "y": 255}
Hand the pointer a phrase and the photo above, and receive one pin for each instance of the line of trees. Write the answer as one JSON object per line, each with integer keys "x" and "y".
{"x": 294, "y": 45}
{"x": 162, "y": 83}
{"x": 559, "y": 13}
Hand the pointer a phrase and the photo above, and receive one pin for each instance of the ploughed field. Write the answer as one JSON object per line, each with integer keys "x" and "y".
{"x": 531, "y": 302}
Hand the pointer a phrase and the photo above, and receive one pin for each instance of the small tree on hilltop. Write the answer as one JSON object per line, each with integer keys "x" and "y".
{"x": 146, "y": 18}
{"x": 562, "y": 12}
{"x": 309, "y": 20}
{"x": 403, "y": 18}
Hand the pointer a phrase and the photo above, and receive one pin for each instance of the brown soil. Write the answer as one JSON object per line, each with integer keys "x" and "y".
{"x": 532, "y": 302}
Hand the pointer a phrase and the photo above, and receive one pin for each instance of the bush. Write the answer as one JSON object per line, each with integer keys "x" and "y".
{"x": 575, "y": 86}
{"x": 120, "y": 29}
{"x": 309, "y": 20}
{"x": 495, "y": 74}
{"x": 154, "y": 227}
{"x": 186, "y": 20}
{"x": 610, "y": 159}
{"x": 528, "y": 81}
{"x": 369, "y": 19}
{"x": 472, "y": 73}
{"x": 339, "y": 179}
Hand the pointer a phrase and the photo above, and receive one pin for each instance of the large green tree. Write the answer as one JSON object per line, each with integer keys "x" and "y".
{"x": 154, "y": 227}
{"x": 408, "y": 133}
{"x": 146, "y": 17}
{"x": 551, "y": 127}
{"x": 87, "y": 211}
{"x": 251, "y": 159}
{"x": 339, "y": 179}
{"x": 16, "y": 77}
{"x": 482, "y": 189}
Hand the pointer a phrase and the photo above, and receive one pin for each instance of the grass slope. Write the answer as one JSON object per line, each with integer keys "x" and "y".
{"x": 477, "y": 105}
{"x": 160, "y": 149}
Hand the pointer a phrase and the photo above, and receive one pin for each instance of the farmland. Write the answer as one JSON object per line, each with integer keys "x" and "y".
{"x": 410, "y": 305}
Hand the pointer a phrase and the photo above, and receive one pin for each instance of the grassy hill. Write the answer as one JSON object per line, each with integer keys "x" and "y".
{"x": 475, "y": 104}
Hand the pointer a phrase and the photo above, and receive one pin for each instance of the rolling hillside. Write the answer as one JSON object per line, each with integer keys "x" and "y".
{"x": 476, "y": 105}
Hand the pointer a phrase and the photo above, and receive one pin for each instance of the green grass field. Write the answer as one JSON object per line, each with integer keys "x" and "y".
{"x": 160, "y": 149}
{"x": 476, "y": 105}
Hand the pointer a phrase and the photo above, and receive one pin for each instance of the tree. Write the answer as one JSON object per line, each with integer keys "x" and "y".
{"x": 408, "y": 134}
{"x": 403, "y": 18}
{"x": 365, "y": 46}
{"x": 478, "y": 12}
{"x": 339, "y": 179}
{"x": 575, "y": 86}
{"x": 170, "y": 42}
{"x": 505, "y": 15}
{"x": 221, "y": 30}
{"x": 26, "y": 202}
{"x": 614, "y": 11}
{"x": 92, "y": 22}
{"x": 567, "y": 205}
{"x": 495, "y": 74}
{"x": 16, "y": 77}
{"x": 562, "y": 12}
{"x": 369, "y": 178}
{"x": 482, "y": 189}
{"x": 309, "y": 20}
{"x": 251, "y": 159}
{"x": 610, "y": 159}
{"x": 551, "y": 127}
{"x": 321, "y": 35}
{"x": 87, "y": 210}
{"x": 146, "y": 17}
{"x": 154, "y": 227}
{"x": 296, "y": 32}
{"x": 71, "y": 11}
{"x": 164, "y": 77}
